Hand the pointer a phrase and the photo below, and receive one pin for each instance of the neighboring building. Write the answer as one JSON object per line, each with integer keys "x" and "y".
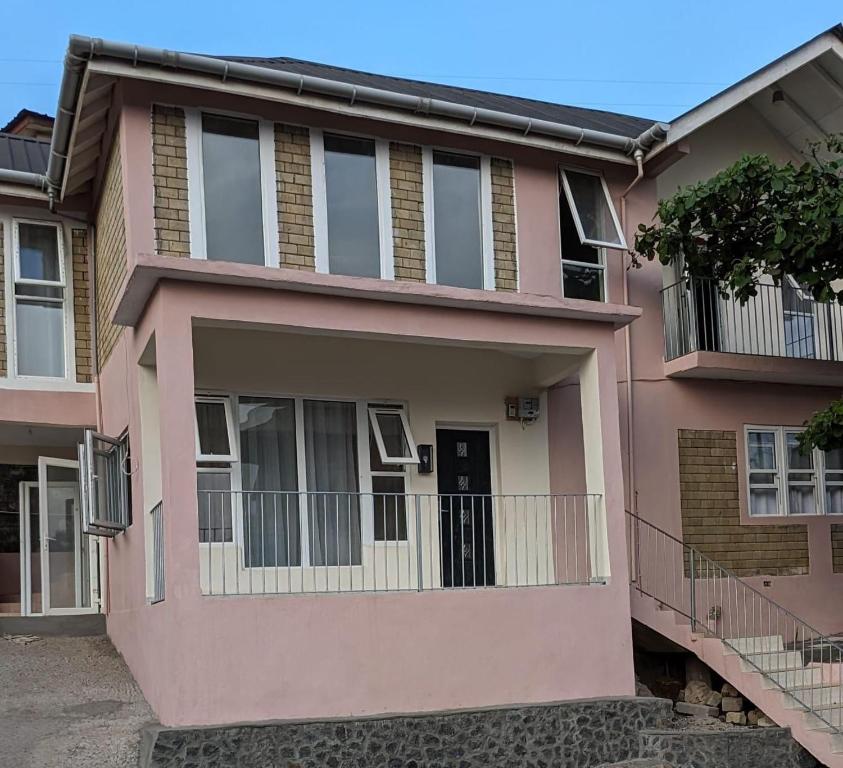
{"x": 353, "y": 351}
{"x": 33, "y": 125}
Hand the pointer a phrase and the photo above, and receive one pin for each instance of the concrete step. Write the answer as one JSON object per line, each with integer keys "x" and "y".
{"x": 821, "y": 696}
{"x": 775, "y": 661}
{"x": 800, "y": 677}
{"x": 821, "y": 719}
{"x": 82, "y": 625}
{"x": 747, "y": 645}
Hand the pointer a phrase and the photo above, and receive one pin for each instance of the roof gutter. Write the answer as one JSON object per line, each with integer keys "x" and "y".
{"x": 83, "y": 49}
{"x": 25, "y": 179}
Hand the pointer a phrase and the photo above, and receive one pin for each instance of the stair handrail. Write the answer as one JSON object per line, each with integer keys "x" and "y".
{"x": 817, "y": 637}
{"x": 732, "y": 575}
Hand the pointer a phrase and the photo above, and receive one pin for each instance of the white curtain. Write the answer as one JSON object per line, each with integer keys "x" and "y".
{"x": 330, "y": 438}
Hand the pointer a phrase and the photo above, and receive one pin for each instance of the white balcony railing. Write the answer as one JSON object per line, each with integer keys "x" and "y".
{"x": 277, "y": 542}
{"x": 780, "y": 321}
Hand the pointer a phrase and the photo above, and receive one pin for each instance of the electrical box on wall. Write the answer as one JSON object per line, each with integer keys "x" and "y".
{"x": 523, "y": 409}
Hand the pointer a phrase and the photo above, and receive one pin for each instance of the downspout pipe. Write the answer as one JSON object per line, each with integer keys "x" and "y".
{"x": 630, "y": 442}
{"x": 83, "y": 49}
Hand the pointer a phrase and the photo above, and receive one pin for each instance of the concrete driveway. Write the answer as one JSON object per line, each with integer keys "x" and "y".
{"x": 68, "y": 701}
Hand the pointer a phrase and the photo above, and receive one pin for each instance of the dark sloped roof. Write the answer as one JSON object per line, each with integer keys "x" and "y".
{"x": 593, "y": 119}
{"x": 22, "y": 115}
{"x": 20, "y": 153}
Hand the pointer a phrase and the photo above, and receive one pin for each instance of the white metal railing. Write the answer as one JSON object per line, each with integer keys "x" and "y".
{"x": 779, "y": 321}
{"x": 796, "y": 658}
{"x": 278, "y": 542}
{"x": 158, "y": 586}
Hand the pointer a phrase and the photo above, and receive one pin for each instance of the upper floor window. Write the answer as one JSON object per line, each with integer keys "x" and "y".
{"x": 232, "y": 189}
{"x": 458, "y": 220}
{"x": 352, "y": 215}
{"x": 783, "y": 481}
{"x": 39, "y": 298}
{"x": 588, "y": 225}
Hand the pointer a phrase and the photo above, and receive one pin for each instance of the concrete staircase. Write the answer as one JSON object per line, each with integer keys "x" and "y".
{"x": 787, "y": 669}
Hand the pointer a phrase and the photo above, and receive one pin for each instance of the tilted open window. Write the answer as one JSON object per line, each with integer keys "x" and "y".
{"x": 214, "y": 430}
{"x": 592, "y": 210}
{"x": 104, "y": 484}
{"x": 392, "y": 435}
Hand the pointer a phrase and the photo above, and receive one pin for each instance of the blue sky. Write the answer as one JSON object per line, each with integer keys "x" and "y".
{"x": 649, "y": 59}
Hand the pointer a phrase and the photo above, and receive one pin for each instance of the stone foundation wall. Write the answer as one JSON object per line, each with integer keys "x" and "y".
{"x": 575, "y": 734}
{"x": 735, "y": 748}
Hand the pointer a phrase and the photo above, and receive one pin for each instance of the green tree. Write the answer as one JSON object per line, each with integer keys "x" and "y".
{"x": 756, "y": 218}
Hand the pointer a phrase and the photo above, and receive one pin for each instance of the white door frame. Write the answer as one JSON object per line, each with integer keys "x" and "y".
{"x": 43, "y": 463}
{"x": 24, "y": 488}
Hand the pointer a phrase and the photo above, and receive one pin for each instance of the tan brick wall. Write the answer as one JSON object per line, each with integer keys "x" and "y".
{"x": 711, "y": 521}
{"x": 110, "y": 250}
{"x": 81, "y": 303}
{"x": 406, "y": 181}
{"x": 169, "y": 178}
{"x": 837, "y": 547}
{"x": 294, "y": 193}
{"x": 3, "y": 347}
{"x": 503, "y": 225}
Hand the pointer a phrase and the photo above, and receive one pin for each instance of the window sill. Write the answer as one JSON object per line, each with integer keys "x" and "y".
{"x": 149, "y": 269}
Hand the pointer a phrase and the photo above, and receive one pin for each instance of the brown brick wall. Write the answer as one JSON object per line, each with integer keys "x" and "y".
{"x": 110, "y": 250}
{"x": 169, "y": 178}
{"x": 81, "y": 303}
{"x": 294, "y": 192}
{"x": 3, "y": 347}
{"x": 503, "y": 225}
{"x": 406, "y": 180}
{"x": 711, "y": 519}
{"x": 837, "y": 547}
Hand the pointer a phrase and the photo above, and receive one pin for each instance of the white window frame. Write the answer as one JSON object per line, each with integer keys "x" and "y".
{"x": 413, "y": 458}
{"x": 231, "y": 456}
{"x": 782, "y": 473}
{"x": 486, "y": 230}
{"x": 196, "y": 182}
{"x": 64, "y": 282}
{"x": 96, "y": 521}
{"x": 320, "y": 202}
{"x": 575, "y": 214}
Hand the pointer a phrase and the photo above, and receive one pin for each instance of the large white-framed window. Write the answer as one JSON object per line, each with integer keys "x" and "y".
{"x": 231, "y": 188}
{"x": 352, "y": 205}
{"x": 782, "y": 481}
{"x": 299, "y": 480}
{"x": 588, "y": 225}
{"x": 459, "y": 245}
{"x": 39, "y": 321}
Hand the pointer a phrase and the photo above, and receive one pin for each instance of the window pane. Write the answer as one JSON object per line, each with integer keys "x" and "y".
{"x": 801, "y": 500}
{"x": 268, "y": 464}
{"x": 389, "y": 509}
{"x": 213, "y": 429}
{"x": 39, "y": 252}
{"x": 330, "y": 439}
{"x": 232, "y": 187}
{"x": 762, "y": 450}
{"x": 834, "y": 499}
{"x": 39, "y": 336}
{"x": 572, "y": 248}
{"x": 763, "y": 501}
{"x": 352, "y": 198}
{"x": 796, "y": 460}
{"x": 375, "y": 463}
{"x": 392, "y": 432}
{"x": 834, "y": 459}
{"x": 582, "y": 282}
{"x": 593, "y": 208}
{"x": 214, "y": 501}
{"x": 458, "y": 241}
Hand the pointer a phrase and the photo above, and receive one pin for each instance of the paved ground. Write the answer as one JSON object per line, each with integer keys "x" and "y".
{"x": 68, "y": 701}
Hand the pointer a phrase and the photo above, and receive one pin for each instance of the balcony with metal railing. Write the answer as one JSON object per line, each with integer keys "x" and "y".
{"x": 780, "y": 334}
{"x": 279, "y": 542}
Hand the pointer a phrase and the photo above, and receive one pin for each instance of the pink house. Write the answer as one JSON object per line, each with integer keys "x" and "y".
{"x": 334, "y": 394}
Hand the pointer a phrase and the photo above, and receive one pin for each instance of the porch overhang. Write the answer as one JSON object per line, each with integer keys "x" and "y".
{"x": 149, "y": 270}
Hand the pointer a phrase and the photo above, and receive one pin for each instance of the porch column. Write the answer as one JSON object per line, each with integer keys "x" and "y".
{"x": 174, "y": 361}
{"x": 603, "y": 467}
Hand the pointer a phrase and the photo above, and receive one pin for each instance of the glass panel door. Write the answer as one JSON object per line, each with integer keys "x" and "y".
{"x": 31, "y": 589}
{"x": 69, "y": 558}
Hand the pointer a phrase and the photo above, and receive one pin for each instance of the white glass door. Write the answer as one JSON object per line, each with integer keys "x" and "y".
{"x": 69, "y": 557}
